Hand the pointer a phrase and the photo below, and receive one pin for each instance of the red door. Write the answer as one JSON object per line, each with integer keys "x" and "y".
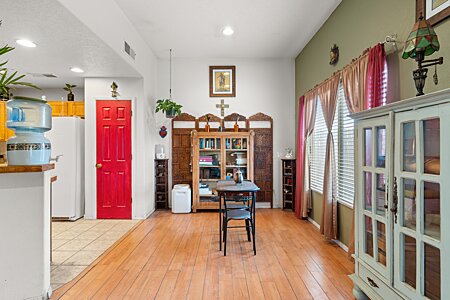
{"x": 113, "y": 159}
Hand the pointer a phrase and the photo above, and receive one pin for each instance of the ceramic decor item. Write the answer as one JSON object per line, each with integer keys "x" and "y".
{"x": 163, "y": 131}
{"x": 238, "y": 176}
{"x": 207, "y": 126}
{"x": 289, "y": 153}
{"x": 29, "y": 118}
{"x": 236, "y": 125}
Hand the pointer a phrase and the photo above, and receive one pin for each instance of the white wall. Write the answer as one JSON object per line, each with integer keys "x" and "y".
{"x": 50, "y": 93}
{"x": 129, "y": 89}
{"x": 108, "y": 22}
{"x": 262, "y": 85}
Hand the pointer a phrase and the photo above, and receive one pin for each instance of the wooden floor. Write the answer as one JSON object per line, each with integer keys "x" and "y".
{"x": 177, "y": 257}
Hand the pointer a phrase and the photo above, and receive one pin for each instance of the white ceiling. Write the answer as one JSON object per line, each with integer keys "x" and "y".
{"x": 63, "y": 41}
{"x": 263, "y": 28}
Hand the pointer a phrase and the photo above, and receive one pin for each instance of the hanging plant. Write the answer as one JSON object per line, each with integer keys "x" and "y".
{"x": 171, "y": 108}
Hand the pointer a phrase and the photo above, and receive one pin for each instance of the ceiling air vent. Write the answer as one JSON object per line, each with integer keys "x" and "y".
{"x": 130, "y": 51}
{"x": 43, "y": 75}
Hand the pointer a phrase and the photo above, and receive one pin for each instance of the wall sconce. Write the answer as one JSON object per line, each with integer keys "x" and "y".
{"x": 422, "y": 41}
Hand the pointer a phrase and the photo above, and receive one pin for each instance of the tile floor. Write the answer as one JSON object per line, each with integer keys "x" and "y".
{"x": 77, "y": 244}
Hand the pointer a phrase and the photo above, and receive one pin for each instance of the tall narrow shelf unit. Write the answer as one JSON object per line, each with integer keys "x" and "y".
{"x": 161, "y": 184}
{"x": 402, "y": 203}
{"x": 215, "y": 156}
{"x": 288, "y": 176}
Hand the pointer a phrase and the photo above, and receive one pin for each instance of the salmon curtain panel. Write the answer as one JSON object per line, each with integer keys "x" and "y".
{"x": 354, "y": 81}
{"x": 354, "y": 78}
{"x": 309, "y": 118}
{"x": 299, "y": 168}
{"x": 327, "y": 94}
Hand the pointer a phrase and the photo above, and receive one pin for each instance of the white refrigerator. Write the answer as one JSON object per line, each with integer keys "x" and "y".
{"x": 67, "y": 142}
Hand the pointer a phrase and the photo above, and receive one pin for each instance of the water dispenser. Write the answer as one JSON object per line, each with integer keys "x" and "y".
{"x": 29, "y": 118}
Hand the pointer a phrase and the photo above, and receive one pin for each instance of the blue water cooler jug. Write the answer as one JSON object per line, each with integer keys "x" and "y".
{"x": 29, "y": 118}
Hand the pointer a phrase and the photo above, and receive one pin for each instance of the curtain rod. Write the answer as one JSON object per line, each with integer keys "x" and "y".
{"x": 388, "y": 39}
{"x": 365, "y": 52}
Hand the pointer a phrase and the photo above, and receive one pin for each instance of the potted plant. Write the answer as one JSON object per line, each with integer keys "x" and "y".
{"x": 7, "y": 81}
{"x": 171, "y": 108}
{"x": 68, "y": 88}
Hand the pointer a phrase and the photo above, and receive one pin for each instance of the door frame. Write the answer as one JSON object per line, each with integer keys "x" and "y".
{"x": 133, "y": 154}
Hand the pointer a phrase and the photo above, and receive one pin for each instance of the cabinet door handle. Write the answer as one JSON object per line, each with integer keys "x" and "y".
{"x": 395, "y": 200}
{"x": 372, "y": 282}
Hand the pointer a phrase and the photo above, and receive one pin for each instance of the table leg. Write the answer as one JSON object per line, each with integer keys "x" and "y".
{"x": 254, "y": 222}
{"x": 220, "y": 221}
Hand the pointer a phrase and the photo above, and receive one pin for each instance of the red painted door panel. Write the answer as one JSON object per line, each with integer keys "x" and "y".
{"x": 113, "y": 159}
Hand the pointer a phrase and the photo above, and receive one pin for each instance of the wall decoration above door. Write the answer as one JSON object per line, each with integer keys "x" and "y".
{"x": 222, "y": 81}
{"x": 434, "y": 11}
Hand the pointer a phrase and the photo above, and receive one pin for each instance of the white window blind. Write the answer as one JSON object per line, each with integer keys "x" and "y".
{"x": 343, "y": 148}
{"x": 345, "y": 154}
{"x": 317, "y": 150}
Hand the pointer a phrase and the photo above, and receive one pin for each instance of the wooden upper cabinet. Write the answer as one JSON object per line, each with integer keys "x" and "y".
{"x": 67, "y": 108}
{"x": 75, "y": 108}
{"x": 5, "y": 133}
{"x": 59, "y": 109}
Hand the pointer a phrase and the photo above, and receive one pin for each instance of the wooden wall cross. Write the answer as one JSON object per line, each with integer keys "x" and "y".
{"x": 222, "y": 107}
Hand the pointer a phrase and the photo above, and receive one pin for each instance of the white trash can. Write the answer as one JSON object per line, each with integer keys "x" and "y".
{"x": 181, "y": 199}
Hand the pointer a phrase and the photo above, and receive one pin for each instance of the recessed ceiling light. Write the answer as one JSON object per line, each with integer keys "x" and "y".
{"x": 26, "y": 43}
{"x": 228, "y": 31}
{"x": 76, "y": 70}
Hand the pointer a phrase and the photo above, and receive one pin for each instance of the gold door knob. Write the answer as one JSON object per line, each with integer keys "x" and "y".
{"x": 98, "y": 166}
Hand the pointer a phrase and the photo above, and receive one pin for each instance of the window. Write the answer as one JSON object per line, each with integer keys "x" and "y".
{"x": 345, "y": 158}
{"x": 343, "y": 148}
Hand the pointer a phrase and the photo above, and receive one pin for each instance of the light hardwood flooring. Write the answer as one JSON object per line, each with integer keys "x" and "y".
{"x": 177, "y": 257}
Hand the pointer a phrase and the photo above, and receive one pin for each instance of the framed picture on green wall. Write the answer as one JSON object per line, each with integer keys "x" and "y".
{"x": 434, "y": 11}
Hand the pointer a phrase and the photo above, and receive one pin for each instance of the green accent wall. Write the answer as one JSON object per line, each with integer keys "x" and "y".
{"x": 344, "y": 217}
{"x": 354, "y": 26}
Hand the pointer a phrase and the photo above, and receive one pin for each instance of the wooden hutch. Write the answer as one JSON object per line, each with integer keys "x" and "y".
{"x": 216, "y": 155}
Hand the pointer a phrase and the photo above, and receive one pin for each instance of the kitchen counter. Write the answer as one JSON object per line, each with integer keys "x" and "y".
{"x": 25, "y": 169}
{"x": 25, "y": 193}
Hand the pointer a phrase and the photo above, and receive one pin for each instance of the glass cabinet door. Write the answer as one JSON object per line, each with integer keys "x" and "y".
{"x": 210, "y": 166}
{"x": 374, "y": 162}
{"x": 423, "y": 201}
{"x": 236, "y": 150}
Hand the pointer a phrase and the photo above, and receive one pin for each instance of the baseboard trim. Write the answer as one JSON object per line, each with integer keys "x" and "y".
{"x": 342, "y": 245}
{"x": 263, "y": 205}
{"x": 339, "y": 243}
{"x": 313, "y": 222}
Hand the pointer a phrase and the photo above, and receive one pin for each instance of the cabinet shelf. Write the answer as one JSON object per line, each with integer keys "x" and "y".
{"x": 288, "y": 175}
{"x": 212, "y": 174}
{"x": 161, "y": 184}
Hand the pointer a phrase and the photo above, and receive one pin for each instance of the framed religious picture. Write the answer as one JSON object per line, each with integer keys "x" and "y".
{"x": 222, "y": 81}
{"x": 434, "y": 11}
